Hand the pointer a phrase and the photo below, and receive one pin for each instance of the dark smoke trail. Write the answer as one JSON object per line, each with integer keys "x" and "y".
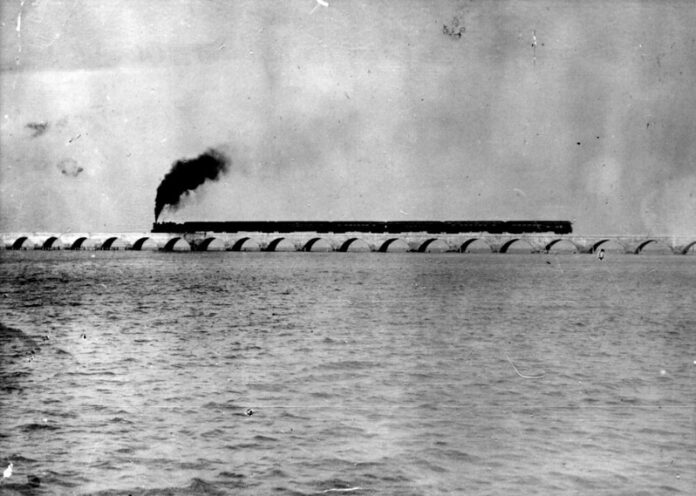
{"x": 186, "y": 175}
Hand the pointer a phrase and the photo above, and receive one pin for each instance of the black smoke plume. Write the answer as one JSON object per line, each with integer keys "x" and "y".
{"x": 186, "y": 175}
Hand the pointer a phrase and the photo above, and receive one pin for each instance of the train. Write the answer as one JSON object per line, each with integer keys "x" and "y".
{"x": 391, "y": 226}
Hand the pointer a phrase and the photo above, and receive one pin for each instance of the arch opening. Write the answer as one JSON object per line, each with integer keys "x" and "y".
{"x": 114, "y": 243}
{"x": 561, "y": 246}
{"x": 354, "y": 245}
{"x": 50, "y": 244}
{"x": 280, "y": 244}
{"x": 245, "y": 244}
{"x": 145, "y": 243}
{"x": 690, "y": 249}
{"x": 19, "y": 243}
{"x": 212, "y": 244}
{"x": 78, "y": 243}
{"x": 433, "y": 245}
{"x": 609, "y": 246}
{"x": 317, "y": 245}
{"x": 345, "y": 246}
{"x": 517, "y": 246}
{"x": 394, "y": 245}
{"x": 424, "y": 245}
{"x": 177, "y": 244}
{"x": 653, "y": 247}
{"x": 475, "y": 245}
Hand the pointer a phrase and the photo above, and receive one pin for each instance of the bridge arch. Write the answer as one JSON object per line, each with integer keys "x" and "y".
{"x": 144, "y": 243}
{"x": 274, "y": 244}
{"x": 113, "y": 243}
{"x": 245, "y": 244}
{"x": 346, "y": 244}
{"x": 354, "y": 244}
{"x": 508, "y": 244}
{"x": 433, "y": 245}
{"x": 49, "y": 244}
{"x": 19, "y": 243}
{"x": 280, "y": 244}
{"x": 393, "y": 244}
{"x": 424, "y": 245}
{"x": 475, "y": 245}
{"x": 608, "y": 245}
{"x": 653, "y": 246}
{"x": 77, "y": 244}
{"x": 317, "y": 244}
{"x": 561, "y": 246}
{"x": 211, "y": 244}
{"x": 177, "y": 244}
{"x": 691, "y": 246}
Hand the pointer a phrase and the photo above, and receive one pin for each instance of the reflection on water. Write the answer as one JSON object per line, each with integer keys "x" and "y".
{"x": 368, "y": 373}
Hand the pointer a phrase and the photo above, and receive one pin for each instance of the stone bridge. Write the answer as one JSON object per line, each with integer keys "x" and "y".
{"x": 356, "y": 241}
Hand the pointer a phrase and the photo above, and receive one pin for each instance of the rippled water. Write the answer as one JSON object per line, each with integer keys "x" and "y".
{"x": 365, "y": 373}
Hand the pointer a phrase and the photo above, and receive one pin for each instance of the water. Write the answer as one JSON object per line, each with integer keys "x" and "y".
{"x": 365, "y": 373}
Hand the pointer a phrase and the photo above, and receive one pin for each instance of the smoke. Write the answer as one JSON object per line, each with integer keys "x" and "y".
{"x": 186, "y": 175}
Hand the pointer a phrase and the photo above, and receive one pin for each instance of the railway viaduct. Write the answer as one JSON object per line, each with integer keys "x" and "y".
{"x": 349, "y": 241}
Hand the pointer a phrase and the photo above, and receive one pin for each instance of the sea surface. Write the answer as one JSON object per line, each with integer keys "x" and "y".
{"x": 347, "y": 373}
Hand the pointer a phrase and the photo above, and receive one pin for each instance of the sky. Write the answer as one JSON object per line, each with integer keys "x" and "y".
{"x": 359, "y": 110}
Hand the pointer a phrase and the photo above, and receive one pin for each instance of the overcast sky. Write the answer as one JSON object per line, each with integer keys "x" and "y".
{"x": 360, "y": 110}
